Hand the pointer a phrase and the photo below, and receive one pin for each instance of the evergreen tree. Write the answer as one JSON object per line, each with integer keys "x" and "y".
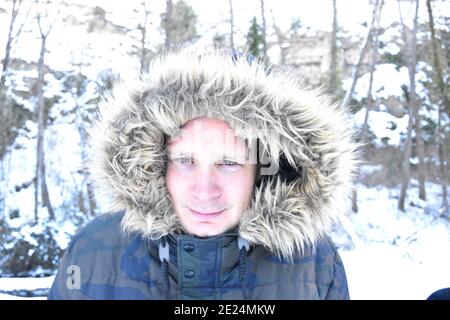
{"x": 255, "y": 38}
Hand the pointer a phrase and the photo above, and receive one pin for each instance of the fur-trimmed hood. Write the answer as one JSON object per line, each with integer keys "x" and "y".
{"x": 302, "y": 132}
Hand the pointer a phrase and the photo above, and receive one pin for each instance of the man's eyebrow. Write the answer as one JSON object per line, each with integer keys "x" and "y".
{"x": 180, "y": 152}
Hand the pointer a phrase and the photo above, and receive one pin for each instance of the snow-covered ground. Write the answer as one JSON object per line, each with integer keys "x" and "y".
{"x": 17, "y": 285}
{"x": 392, "y": 255}
{"x": 397, "y": 255}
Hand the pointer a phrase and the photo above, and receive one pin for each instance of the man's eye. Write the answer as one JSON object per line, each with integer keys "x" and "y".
{"x": 229, "y": 163}
{"x": 184, "y": 160}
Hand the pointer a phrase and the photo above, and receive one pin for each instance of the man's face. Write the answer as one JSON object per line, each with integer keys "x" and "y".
{"x": 209, "y": 177}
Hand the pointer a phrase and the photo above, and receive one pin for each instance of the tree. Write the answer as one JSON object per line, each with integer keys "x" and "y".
{"x": 12, "y": 36}
{"x": 332, "y": 85}
{"x": 40, "y": 178}
{"x": 143, "y": 54}
{"x": 76, "y": 84}
{"x": 179, "y": 23}
{"x": 6, "y": 115}
{"x": 373, "y": 45}
{"x": 368, "y": 42}
{"x": 412, "y": 100}
{"x": 231, "y": 25}
{"x": 166, "y": 23}
{"x": 373, "y": 60}
{"x": 410, "y": 39}
{"x": 263, "y": 31}
{"x": 355, "y": 72}
{"x": 254, "y": 38}
{"x": 444, "y": 105}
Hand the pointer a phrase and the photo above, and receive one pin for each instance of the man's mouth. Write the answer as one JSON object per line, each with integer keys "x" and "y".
{"x": 211, "y": 214}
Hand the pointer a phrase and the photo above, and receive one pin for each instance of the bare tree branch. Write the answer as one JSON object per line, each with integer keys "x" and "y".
{"x": 355, "y": 72}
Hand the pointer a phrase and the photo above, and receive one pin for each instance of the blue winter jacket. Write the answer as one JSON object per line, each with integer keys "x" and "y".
{"x": 100, "y": 263}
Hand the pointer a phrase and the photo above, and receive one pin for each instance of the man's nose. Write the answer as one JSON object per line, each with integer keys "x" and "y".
{"x": 205, "y": 185}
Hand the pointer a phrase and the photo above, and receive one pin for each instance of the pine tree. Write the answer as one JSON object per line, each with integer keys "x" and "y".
{"x": 255, "y": 38}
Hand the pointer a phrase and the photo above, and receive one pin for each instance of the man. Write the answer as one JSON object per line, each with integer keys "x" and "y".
{"x": 225, "y": 181}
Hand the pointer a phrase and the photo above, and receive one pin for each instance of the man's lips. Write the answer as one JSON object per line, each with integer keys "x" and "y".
{"x": 206, "y": 214}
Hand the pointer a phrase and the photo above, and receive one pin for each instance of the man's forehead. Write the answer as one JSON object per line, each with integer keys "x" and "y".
{"x": 206, "y": 132}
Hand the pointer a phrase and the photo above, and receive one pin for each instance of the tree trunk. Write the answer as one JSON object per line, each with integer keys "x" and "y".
{"x": 412, "y": 61}
{"x": 355, "y": 200}
{"x": 6, "y": 59}
{"x": 44, "y": 190}
{"x": 143, "y": 59}
{"x": 407, "y": 155}
{"x": 412, "y": 101}
{"x": 81, "y": 121}
{"x": 415, "y": 104}
{"x": 355, "y": 72}
{"x": 40, "y": 136}
{"x": 92, "y": 202}
{"x": 10, "y": 38}
{"x": 280, "y": 40}
{"x": 373, "y": 44}
{"x": 443, "y": 106}
{"x": 168, "y": 25}
{"x": 4, "y": 109}
{"x": 373, "y": 62}
{"x": 421, "y": 170}
{"x": 264, "y": 31}
{"x": 370, "y": 102}
{"x": 3, "y": 187}
{"x": 332, "y": 86}
{"x": 40, "y": 178}
{"x": 40, "y": 181}
{"x": 231, "y": 25}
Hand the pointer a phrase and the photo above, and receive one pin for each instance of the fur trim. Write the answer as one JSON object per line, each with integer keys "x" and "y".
{"x": 299, "y": 125}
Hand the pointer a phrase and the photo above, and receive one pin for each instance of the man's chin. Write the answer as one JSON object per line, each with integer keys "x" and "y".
{"x": 204, "y": 231}
{"x": 205, "y": 234}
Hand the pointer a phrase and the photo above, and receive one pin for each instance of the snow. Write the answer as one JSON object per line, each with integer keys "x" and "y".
{"x": 369, "y": 169}
{"x": 65, "y": 234}
{"x": 12, "y": 297}
{"x": 384, "y": 125}
{"x": 387, "y": 81}
{"x": 385, "y": 273}
{"x": 398, "y": 255}
{"x": 22, "y": 284}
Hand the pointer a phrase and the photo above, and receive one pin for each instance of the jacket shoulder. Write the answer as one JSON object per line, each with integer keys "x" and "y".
{"x": 331, "y": 277}
{"x": 94, "y": 258}
{"x": 104, "y": 229}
